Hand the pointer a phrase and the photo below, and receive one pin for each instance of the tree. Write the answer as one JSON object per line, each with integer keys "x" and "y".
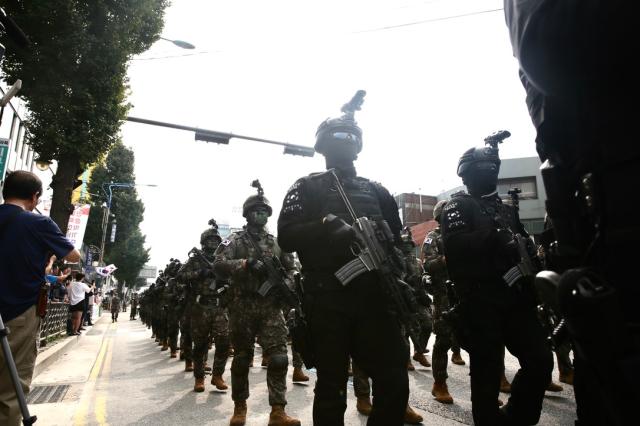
{"x": 127, "y": 252}
{"x": 74, "y": 78}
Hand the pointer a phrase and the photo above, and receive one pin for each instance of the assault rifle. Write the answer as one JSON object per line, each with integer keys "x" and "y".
{"x": 217, "y": 292}
{"x": 374, "y": 250}
{"x": 276, "y": 276}
{"x": 298, "y": 327}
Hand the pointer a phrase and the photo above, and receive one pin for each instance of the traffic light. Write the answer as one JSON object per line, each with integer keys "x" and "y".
{"x": 303, "y": 151}
{"x": 220, "y": 138}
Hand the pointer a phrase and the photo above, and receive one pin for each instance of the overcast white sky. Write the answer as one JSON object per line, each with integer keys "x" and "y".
{"x": 277, "y": 69}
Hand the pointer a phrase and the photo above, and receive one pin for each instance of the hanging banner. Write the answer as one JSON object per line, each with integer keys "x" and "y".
{"x": 78, "y": 224}
{"x": 113, "y": 232}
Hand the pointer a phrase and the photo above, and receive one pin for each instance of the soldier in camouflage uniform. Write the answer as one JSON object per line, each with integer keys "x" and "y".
{"x": 413, "y": 276}
{"x": 157, "y": 314}
{"x": 435, "y": 265}
{"x": 172, "y": 300}
{"x": 241, "y": 258}
{"x": 207, "y": 316}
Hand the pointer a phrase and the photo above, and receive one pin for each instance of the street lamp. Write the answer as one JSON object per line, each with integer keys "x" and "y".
{"x": 180, "y": 43}
{"x": 107, "y": 212}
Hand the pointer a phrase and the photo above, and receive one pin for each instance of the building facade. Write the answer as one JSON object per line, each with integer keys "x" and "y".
{"x": 15, "y": 152}
{"x": 415, "y": 208}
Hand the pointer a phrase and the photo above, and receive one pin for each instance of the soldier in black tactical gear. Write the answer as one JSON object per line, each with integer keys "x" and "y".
{"x": 353, "y": 320}
{"x": 582, "y": 93}
{"x": 484, "y": 243}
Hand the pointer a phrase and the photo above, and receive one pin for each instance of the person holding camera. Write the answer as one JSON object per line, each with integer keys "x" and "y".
{"x": 26, "y": 241}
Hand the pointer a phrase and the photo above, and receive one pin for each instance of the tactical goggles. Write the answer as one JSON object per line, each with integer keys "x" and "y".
{"x": 345, "y": 136}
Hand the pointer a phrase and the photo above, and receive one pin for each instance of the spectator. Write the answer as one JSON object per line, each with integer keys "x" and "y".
{"x": 114, "y": 307}
{"x": 26, "y": 241}
{"x": 88, "y": 302}
{"x": 77, "y": 290}
{"x": 56, "y": 279}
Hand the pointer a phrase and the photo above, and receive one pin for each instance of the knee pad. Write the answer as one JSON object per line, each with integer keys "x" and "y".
{"x": 241, "y": 362}
{"x": 278, "y": 362}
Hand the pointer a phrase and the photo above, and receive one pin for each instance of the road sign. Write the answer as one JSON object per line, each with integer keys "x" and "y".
{"x": 4, "y": 156}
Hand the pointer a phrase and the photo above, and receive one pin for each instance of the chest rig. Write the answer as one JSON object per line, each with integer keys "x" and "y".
{"x": 360, "y": 192}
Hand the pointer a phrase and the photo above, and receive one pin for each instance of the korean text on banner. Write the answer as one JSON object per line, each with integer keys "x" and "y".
{"x": 78, "y": 224}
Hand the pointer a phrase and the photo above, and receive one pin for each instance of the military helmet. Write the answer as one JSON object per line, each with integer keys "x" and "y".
{"x": 437, "y": 210}
{"x": 211, "y": 232}
{"x": 485, "y": 157}
{"x": 256, "y": 200}
{"x": 339, "y": 130}
{"x": 343, "y": 129}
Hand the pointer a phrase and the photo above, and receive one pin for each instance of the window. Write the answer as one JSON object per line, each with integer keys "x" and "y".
{"x": 25, "y": 145}
{"x": 533, "y": 226}
{"x": 19, "y": 140}
{"x": 6, "y": 130}
{"x": 527, "y": 185}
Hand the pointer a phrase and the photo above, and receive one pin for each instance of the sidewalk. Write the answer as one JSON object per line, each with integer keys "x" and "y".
{"x": 61, "y": 373}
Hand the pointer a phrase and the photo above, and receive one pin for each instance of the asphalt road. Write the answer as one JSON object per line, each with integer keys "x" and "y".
{"x": 117, "y": 375}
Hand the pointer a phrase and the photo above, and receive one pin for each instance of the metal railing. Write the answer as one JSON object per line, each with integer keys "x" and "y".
{"x": 54, "y": 324}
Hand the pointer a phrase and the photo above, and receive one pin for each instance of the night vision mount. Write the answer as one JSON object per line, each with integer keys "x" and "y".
{"x": 497, "y": 138}
{"x": 355, "y": 104}
{"x": 256, "y": 184}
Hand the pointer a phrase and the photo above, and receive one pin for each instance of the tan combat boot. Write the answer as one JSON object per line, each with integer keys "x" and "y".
{"x": 199, "y": 386}
{"x": 410, "y": 366}
{"x": 218, "y": 382}
{"x": 554, "y": 387}
{"x": 457, "y": 359}
{"x": 422, "y": 360}
{"x": 188, "y": 366}
{"x": 567, "y": 377}
{"x": 299, "y": 376}
{"x": 239, "y": 417}
{"x": 165, "y": 345}
{"x": 505, "y": 386}
{"x": 440, "y": 391}
{"x": 278, "y": 417}
{"x": 174, "y": 354}
{"x": 364, "y": 406}
{"x": 411, "y": 416}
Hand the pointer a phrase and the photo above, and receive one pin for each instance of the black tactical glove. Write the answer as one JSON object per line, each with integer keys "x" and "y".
{"x": 507, "y": 245}
{"x": 340, "y": 232}
{"x": 256, "y": 266}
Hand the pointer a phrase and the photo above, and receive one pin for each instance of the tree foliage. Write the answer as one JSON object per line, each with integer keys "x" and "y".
{"x": 127, "y": 252}
{"x": 74, "y": 78}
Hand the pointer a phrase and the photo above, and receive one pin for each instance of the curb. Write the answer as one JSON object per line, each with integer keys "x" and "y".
{"x": 51, "y": 354}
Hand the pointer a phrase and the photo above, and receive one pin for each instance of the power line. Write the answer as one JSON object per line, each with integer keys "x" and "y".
{"x": 425, "y": 21}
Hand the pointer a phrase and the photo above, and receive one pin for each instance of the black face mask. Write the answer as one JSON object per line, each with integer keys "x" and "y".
{"x": 481, "y": 182}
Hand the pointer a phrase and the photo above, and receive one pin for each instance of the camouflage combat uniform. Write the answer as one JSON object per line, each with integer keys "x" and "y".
{"x": 423, "y": 325}
{"x": 435, "y": 266}
{"x": 206, "y": 316}
{"x": 252, "y": 315}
